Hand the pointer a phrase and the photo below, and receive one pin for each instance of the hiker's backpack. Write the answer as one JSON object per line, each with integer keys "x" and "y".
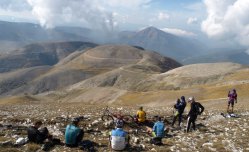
{"x": 197, "y": 108}
{"x": 156, "y": 141}
{"x": 88, "y": 146}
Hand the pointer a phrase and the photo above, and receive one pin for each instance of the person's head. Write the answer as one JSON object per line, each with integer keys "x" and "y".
{"x": 119, "y": 123}
{"x": 38, "y": 124}
{"x": 191, "y": 99}
{"x": 182, "y": 98}
{"x": 141, "y": 108}
{"x": 178, "y": 100}
{"x": 234, "y": 90}
{"x": 159, "y": 118}
{"x": 75, "y": 121}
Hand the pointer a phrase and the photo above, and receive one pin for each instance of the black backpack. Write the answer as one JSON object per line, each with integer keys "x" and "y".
{"x": 197, "y": 108}
{"x": 156, "y": 141}
{"x": 88, "y": 146}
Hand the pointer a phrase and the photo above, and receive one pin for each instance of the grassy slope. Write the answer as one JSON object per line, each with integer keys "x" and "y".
{"x": 203, "y": 93}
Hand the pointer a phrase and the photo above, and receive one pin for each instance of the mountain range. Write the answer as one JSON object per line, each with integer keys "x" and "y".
{"x": 57, "y": 65}
{"x": 15, "y": 35}
{"x": 56, "y": 68}
{"x": 184, "y": 50}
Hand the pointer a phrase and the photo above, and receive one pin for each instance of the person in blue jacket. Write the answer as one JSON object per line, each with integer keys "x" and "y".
{"x": 179, "y": 106}
{"x": 158, "y": 132}
{"x": 73, "y": 134}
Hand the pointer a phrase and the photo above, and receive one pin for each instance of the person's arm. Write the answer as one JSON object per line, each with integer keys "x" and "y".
{"x": 202, "y": 108}
{"x": 154, "y": 127}
{"x": 127, "y": 139}
{"x": 40, "y": 137}
{"x": 191, "y": 109}
{"x": 236, "y": 97}
{"x": 137, "y": 114}
{"x": 110, "y": 139}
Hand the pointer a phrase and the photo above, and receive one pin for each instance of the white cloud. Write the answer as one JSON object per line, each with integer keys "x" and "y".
{"x": 126, "y": 3}
{"x": 163, "y": 16}
{"x": 197, "y": 7}
{"x": 51, "y": 13}
{"x": 227, "y": 19}
{"x": 94, "y": 13}
{"x": 192, "y": 20}
{"x": 14, "y": 5}
{"x": 178, "y": 32}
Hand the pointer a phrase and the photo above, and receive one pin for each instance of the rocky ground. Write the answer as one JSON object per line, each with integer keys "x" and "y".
{"x": 214, "y": 132}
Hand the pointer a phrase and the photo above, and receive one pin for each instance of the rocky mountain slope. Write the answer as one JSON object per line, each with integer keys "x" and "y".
{"x": 123, "y": 74}
{"x": 236, "y": 56}
{"x": 143, "y": 85}
{"x": 214, "y": 132}
{"x": 39, "y": 54}
{"x": 102, "y": 65}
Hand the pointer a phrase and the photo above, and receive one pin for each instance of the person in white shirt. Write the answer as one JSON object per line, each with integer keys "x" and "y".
{"x": 119, "y": 138}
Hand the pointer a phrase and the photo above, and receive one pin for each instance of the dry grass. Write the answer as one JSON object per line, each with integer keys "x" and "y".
{"x": 18, "y": 100}
{"x": 10, "y": 150}
{"x": 2, "y": 138}
{"x": 204, "y": 93}
{"x": 31, "y": 147}
{"x": 238, "y": 75}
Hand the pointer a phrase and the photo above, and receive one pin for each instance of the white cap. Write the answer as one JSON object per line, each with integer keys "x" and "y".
{"x": 191, "y": 99}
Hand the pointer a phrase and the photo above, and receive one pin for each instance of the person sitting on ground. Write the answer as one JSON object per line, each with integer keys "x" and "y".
{"x": 179, "y": 106}
{"x": 141, "y": 116}
{"x": 73, "y": 134}
{"x": 232, "y": 97}
{"x": 195, "y": 109}
{"x": 38, "y": 136}
{"x": 119, "y": 138}
{"x": 158, "y": 132}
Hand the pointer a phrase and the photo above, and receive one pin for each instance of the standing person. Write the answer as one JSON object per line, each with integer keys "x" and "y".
{"x": 179, "y": 106}
{"x": 141, "y": 116}
{"x": 73, "y": 134}
{"x": 232, "y": 97}
{"x": 195, "y": 109}
{"x": 176, "y": 114}
{"x": 119, "y": 138}
{"x": 158, "y": 132}
{"x": 38, "y": 136}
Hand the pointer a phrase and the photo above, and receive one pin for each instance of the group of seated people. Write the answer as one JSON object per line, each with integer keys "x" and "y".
{"x": 118, "y": 138}
{"x": 73, "y": 134}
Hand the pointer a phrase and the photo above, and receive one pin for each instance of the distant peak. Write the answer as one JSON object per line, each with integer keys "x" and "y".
{"x": 150, "y": 28}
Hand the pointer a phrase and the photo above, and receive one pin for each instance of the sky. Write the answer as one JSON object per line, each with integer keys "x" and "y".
{"x": 224, "y": 22}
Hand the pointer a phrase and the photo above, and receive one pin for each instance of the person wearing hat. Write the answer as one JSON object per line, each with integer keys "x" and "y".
{"x": 119, "y": 138}
{"x": 73, "y": 134}
{"x": 195, "y": 109}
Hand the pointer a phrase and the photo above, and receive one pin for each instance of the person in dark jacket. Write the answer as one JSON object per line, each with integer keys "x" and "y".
{"x": 232, "y": 97}
{"x": 195, "y": 109}
{"x": 38, "y": 136}
{"x": 179, "y": 106}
